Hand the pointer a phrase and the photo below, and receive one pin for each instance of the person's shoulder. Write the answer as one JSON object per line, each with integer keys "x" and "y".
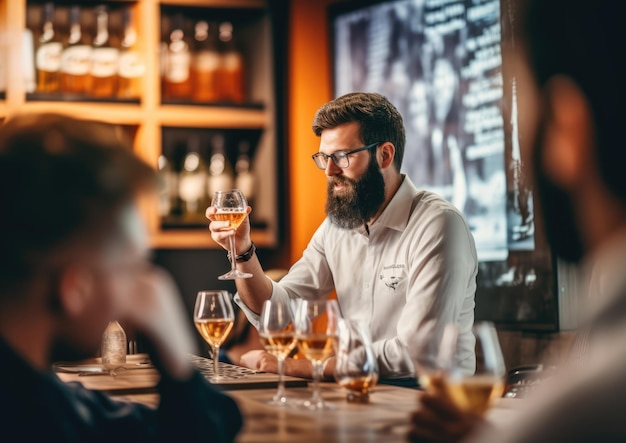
{"x": 429, "y": 202}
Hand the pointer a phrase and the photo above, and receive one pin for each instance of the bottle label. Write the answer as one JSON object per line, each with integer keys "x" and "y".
{"x": 245, "y": 182}
{"x": 104, "y": 62}
{"x": 178, "y": 67}
{"x": 221, "y": 182}
{"x": 191, "y": 188}
{"x": 76, "y": 60}
{"x": 232, "y": 61}
{"x": 207, "y": 61}
{"x": 48, "y": 57}
{"x": 131, "y": 65}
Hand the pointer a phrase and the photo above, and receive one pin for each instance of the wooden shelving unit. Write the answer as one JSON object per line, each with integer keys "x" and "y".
{"x": 150, "y": 116}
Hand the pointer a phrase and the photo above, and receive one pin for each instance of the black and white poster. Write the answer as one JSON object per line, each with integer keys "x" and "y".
{"x": 441, "y": 63}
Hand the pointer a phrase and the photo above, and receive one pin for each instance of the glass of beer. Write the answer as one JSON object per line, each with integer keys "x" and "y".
{"x": 232, "y": 207}
{"x": 316, "y": 339}
{"x": 214, "y": 317}
{"x": 277, "y": 334}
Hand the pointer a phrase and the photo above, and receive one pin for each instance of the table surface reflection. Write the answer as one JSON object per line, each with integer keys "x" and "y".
{"x": 383, "y": 419}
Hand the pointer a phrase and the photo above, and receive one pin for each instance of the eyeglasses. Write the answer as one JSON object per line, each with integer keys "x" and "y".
{"x": 339, "y": 157}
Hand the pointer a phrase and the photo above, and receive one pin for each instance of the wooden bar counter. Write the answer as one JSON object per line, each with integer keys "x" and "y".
{"x": 383, "y": 419}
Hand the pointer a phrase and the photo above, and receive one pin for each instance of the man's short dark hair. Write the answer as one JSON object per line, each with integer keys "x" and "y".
{"x": 378, "y": 119}
{"x": 63, "y": 181}
{"x": 584, "y": 40}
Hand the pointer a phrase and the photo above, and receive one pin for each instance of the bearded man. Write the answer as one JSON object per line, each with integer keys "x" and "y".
{"x": 398, "y": 259}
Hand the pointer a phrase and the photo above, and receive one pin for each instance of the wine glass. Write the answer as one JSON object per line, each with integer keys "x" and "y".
{"x": 476, "y": 392}
{"x": 214, "y": 317}
{"x": 471, "y": 392}
{"x": 432, "y": 350}
{"x": 277, "y": 334}
{"x": 317, "y": 345}
{"x": 231, "y": 206}
{"x": 356, "y": 369}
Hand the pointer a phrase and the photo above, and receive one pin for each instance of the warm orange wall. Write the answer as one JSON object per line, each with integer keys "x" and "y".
{"x": 309, "y": 88}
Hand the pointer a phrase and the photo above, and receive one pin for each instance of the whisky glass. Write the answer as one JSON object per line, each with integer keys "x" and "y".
{"x": 356, "y": 369}
{"x": 317, "y": 341}
{"x": 277, "y": 334}
{"x": 214, "y": 317}
{"x": 232, "y": 207}
{"x": 440, "y": 372}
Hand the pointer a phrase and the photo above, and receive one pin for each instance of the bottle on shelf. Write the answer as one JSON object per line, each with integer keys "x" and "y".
{"x": 221, "y": 176}
{"x": 48, "y": 53}
{"x": 131, "y": 67}
{"x": 245, "y": 179}
{"x": 104, "y": 57}
{"x": 205, "y": 63}
{"x": 231, "y": 79}
{"x": 177, "y": 78}
{"x": 168, "y": 186}
{"x": 114, "y": 346}
{"x": 76, "y": 57}
{"x": 192, "y": 183}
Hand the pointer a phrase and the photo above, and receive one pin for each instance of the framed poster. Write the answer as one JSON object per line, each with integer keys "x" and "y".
{"x": 441, "y": 63}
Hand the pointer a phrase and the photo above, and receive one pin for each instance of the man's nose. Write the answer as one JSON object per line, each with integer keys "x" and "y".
{"x": 332, "y": 168}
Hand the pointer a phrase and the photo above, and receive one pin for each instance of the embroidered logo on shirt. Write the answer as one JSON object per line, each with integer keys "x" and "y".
{"x": 391, "y": 275}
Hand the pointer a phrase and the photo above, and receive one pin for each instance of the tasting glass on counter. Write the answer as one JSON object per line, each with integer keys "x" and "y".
{"x": 213, "y": 316}
{"x": 434, "y": 355}
{"x": 317, "y": 345}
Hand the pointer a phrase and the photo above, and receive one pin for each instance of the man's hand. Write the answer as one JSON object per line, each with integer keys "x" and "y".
{"x": 266, "y": 362}
{"x": 438, "y": 419}
{"x": 156, "y": 310}
{"x": 220, "y": 234}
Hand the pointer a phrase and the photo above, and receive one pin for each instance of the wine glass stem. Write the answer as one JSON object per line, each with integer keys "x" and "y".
{"x": 216, "y": 357}
{"x": 280, "y": 392}
{"x": 233, "y": 253}
{"x": 316, "y": 399}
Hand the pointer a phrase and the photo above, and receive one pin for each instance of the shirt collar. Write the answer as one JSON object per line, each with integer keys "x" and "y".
{"x": 396, "y": 214}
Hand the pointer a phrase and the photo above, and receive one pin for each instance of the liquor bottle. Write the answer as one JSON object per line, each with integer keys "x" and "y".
{"x": 177, "y": 79}
{"x": 76, "y": 57}
{"x": 192, "y": 183}
{"x": 205, "y": 63}
{"x": 104, "y": 57}
{"x": 245, "y": 179}
{"x": 221, "y": 175}
{"x": 48, "y": 53}
{"x": 231, "y": 79}
{"x": 131, "y": 66}
{"x": 168, "y": 186}
{"x": 114, "y": 347}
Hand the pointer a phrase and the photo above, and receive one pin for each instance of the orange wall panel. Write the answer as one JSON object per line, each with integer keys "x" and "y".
{"x": 309, "y": 88}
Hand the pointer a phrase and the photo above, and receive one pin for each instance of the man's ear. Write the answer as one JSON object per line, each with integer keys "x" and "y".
{"x": 568, "y": 138}
{"x": 387, "y": 153}
{"x": 76, "y": 285}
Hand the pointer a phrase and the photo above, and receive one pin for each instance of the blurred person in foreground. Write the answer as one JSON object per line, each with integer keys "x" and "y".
{"x": 396, "y": 256}
{"x": 572, "y": 112}
{"x": 74, "y": 256}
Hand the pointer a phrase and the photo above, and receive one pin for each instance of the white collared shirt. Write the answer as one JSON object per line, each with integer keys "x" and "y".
{"x": 417, "y": 263}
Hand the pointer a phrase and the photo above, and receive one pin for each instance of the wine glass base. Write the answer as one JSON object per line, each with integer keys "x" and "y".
{"x": 281, "y": 402}
{"x": 309, "y": 405}
{"x": 232, "y": 275}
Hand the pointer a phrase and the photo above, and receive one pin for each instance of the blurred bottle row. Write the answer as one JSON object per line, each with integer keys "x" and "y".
{"x": 194, "y": 166}
{"x": 96, "y": 52}
{"x": 201, "y": 61}
{"x": 87, "y": 51}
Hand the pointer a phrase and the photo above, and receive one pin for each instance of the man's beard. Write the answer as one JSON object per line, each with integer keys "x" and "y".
{"x": 558, "y": 211}
{"x": 359, "y": 200}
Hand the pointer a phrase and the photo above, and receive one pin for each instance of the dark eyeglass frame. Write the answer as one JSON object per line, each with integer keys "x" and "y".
{"x": 339, "y": 156}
